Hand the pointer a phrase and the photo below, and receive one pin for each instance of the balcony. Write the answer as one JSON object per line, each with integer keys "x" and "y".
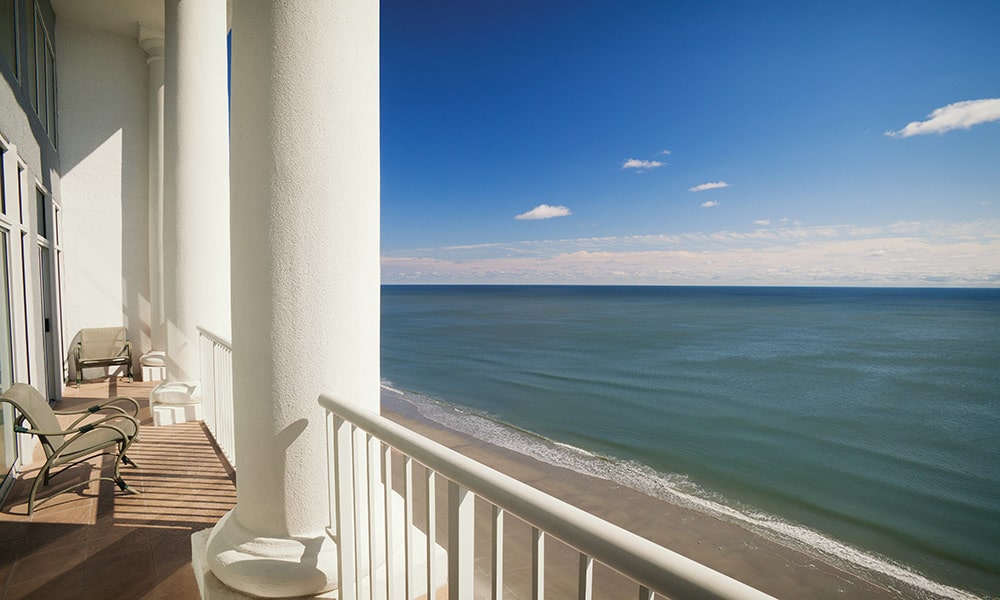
{"x": 96, "y": 542}
{"x": 99, "y": 543}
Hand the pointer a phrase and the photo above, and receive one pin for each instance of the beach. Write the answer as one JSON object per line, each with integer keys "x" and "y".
{"x": 857, "y": 425}
{"x": 728, "y": 547}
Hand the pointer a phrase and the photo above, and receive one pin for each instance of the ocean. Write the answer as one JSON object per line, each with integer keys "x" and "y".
{"x": 860, "y": 424}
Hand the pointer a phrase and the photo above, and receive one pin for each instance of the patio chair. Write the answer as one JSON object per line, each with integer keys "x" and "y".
{"x": 105, "y": 428}
{"x": 102, "y": 347}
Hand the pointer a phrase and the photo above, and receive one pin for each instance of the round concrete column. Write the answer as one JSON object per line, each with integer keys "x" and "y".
{"x": 196, "y": 182}
{"x": 305, "y": 276}
{"x": 151, "y": 41}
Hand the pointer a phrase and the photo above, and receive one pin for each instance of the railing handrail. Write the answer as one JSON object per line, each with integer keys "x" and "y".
{"x": 218, "y": 339}
{"x": 662, "y": 570}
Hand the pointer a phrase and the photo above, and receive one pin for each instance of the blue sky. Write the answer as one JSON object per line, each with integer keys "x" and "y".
{"x": 764, "y": 143}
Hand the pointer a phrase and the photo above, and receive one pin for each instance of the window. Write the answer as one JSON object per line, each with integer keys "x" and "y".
{"x": 8, "y": 447}
{"x": 3, "y": 180}
{"x": 8, "y": 33}
{"x": 20, "y": 185}
{"x": 43, "y": 214}
{"x": 41, "y": 79}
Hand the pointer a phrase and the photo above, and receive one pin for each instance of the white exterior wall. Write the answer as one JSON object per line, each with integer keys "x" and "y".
{"x": 16, "y": 128}
{"x": 103, "y": 149}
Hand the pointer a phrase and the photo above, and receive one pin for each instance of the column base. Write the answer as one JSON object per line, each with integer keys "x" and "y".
{"x": 174, "y": 402}
{"x": 270, "y": 567}
{"x": 169, "y": 414}
{"x": 154, "y": 365}
{"x": 208, "y": 584}
{"x": 284, "y": 568}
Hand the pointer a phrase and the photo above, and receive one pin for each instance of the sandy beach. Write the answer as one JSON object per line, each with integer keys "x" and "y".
{"x": 728, "y": 547}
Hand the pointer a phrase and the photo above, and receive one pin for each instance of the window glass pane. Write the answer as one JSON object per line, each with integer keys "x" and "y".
{"x": 8, "y": 33}
{"x": 25, "y": 248}
{"x": 30, "y": 71}
{"x": 50, "y": 92}
{"x": 39, "y": 98}
{"x": 3, "y": 181}
{"x": 43, "y": 215}
{"x": 8, "y": 447}
{"x": 20, "y": 207}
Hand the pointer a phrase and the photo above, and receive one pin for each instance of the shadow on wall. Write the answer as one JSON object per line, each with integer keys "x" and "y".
{"x": 104, "y": 161}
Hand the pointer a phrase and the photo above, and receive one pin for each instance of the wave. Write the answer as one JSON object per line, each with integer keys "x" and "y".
{"x": 677, "y": 489}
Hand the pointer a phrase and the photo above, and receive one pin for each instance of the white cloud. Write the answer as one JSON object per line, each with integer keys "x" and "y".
{"x": 665, "y": 152}
{"x": 709, "y": 186}
{"x": 897, "y": 254}
{"x": 959, "y": 115}
{"x": 642, "y": 165}
{"x": 762, "y": 222}
{"x": 544, "y": 211}
{"x": 709, "y": 204}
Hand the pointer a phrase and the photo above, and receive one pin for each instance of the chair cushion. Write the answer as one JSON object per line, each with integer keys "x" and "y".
{"x": 102, "y": 342}
{"x": 99, "y": 437}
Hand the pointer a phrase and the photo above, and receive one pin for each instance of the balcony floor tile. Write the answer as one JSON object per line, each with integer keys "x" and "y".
{"x": 98, "y": 542}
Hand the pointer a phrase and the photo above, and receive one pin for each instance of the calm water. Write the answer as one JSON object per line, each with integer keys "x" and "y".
{"x": 842, "y": 419}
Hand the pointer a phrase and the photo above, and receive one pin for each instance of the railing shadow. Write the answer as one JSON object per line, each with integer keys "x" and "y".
{"x": 98, "y": 542}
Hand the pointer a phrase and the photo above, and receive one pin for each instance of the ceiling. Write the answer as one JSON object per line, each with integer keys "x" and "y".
{"x": 121, "y": 17}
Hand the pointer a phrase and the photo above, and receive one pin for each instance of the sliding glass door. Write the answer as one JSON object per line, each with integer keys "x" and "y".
{"x": 8, "y": 445}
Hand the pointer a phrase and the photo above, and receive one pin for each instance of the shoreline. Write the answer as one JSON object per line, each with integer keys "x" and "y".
{"x": 727, "y": 546}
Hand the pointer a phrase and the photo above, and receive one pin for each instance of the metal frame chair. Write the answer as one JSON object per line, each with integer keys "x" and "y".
{"x": 104, "y": 428}
{"x": 102, "y": 347}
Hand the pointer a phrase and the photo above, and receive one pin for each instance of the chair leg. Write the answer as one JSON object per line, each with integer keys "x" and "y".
{"x": 118, "y": 461}
{"x": 34, "y": 489}
{"x": 44, "y": 475}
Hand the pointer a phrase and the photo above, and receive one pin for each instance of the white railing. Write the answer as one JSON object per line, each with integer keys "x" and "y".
{"x": 361, "y": 448}
{"x": 217, "y": 390}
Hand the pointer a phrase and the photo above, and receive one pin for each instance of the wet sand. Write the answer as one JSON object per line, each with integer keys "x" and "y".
{"x": 724, "y": 546}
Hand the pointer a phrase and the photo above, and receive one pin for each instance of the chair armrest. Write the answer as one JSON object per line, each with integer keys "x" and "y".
{"x": 133, "y": 405}
{"x": 86, "y": 429}
{"x": 82, "y": 428}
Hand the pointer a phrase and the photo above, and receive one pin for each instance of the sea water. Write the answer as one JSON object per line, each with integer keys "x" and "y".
{"x": 861, "y": 424}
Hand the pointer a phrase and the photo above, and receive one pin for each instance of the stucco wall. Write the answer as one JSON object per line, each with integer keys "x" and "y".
{"x": 103, "y": 147}
{"x": 20, "y": 126}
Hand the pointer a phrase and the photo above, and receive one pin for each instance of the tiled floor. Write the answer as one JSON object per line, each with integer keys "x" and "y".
{"x": 99, "y": 542}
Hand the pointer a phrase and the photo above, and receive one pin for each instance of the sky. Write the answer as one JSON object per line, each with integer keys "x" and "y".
{"x": 696, "y": 143}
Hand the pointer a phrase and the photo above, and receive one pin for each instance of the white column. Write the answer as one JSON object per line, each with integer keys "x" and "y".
{"x": 305, "y": 238}
{"x": 151, "y": 41}
{"x": 196, "y": 182}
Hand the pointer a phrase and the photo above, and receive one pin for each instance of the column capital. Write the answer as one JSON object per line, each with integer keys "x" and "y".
{"x": 151, "y": 40}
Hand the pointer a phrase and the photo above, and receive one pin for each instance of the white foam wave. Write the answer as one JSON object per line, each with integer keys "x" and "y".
{"x": 677, "y": 489}
{"x": 393, "y": 390}
{"x": 572, "y": 448}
